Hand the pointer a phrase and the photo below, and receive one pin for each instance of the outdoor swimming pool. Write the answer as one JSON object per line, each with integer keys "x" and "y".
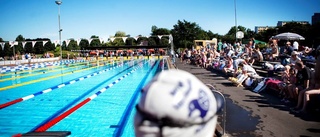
{"x": 81, "y": 97}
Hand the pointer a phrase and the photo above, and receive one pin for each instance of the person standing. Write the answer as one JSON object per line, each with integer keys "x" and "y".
{"x": 295, "y": 46}
{"x": 219, "y": 46}
{"x": 288, "y": 49}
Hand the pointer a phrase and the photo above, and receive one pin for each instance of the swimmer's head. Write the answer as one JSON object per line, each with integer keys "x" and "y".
{"x": 176, "y": 103}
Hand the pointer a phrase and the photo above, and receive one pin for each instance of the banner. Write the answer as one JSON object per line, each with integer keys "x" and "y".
{"x": 44, "y": 42}
{"x": 78, "y": 42}
{"x": 160, "y": 36}
{"x": 124, "y": 39}
{"x": 112, "y": 39}
{"x": 24, "y": 43}
{"x": 136, "y": 38}
{"x": 56, "y": 42}
{"x": 12, "y": 43}
{"x": 33, "y": 43}
{"x": 90, "y": 41}
{"x": 2, "y": 45}
{"x": 67, "y": 42}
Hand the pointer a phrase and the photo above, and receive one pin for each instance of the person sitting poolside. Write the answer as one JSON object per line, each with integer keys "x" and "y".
{"x": 274, "y": 51}
{"x": 302, "y": 79}
{"x": 288, "y": 49}
{"x": 257, "y": 55}
{"x": 314, "y": 88}
{"x": 247, "y": 69}
{"x": 235, "y": 65}
{"x": 294, "y": 58}
{"x": 290, "y": 83}
{"x": 228, "y": 67}
{"x": 189, "y": 110}
{"x": 307, "y": 51}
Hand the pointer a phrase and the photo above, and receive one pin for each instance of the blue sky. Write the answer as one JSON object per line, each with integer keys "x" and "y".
{"x": 83, "y": 18}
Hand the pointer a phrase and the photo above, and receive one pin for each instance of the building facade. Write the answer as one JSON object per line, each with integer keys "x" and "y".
{"x": 315, "y": 18}
{"x": 282, "y": 23}
{"x": 259, "y": 29}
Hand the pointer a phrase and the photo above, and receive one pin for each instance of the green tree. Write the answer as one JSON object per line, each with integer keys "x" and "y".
{"x": 212, "y": 35}
{"x": 118, "y": 41}
{"x": 120, "y": 34}
{"x": 250, "y": 33}
{"x": 84, "y": 43}
{"x": 49, "y": 46}
{"x": 2, "y": 52}
{"x": 184, "y": 33}
{"x": 73, "y": 45}
{"x": 141, "y": 39}
{"x": 230, "y": 37}
{"x": 155, "y": 32}
{"x": 95, "y": 41}
{"x": 18, "y": 48}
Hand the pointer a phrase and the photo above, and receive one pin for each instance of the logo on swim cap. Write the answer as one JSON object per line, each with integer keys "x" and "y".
{"x": 201, "y": 104}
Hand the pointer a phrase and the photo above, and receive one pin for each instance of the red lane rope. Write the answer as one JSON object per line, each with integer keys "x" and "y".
{"x": 10, "y": 103}
{"x": 62, "y": 116}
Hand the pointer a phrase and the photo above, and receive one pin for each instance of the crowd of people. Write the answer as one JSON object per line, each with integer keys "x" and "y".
{"x": 296, "y": 81}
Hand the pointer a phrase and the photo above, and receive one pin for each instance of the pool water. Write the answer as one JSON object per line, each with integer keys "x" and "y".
{"x": 109, "y": 114}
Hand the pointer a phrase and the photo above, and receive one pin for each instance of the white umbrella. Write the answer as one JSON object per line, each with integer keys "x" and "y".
{"x": 288, "y": 36}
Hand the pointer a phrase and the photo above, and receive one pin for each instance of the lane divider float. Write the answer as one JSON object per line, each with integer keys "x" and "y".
{"x": 55, "y": 66}
{"x": 4, "y": 105}
{"x": 46, "y": 78}
{"x": 39, "y": 73}
{"x": 55, "y": 120}
{"x": 125, "y": 116}
{"x": 66, "y": 107}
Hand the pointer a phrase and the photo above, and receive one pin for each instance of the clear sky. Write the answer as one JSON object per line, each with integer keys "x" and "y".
{"x": 83, "y": 18}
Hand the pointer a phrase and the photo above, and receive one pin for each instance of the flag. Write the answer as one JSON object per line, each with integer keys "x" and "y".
{"x": 67, "y": 42}
{"x": 78, "y": 42}
{"x": 136, "y": 38}
{"x": 112, "y": 39}
{"x": 24, "y": 43}
{"x": 44, "y": 42}
{"x": 12, "y": 43}
{"x": 124, "y": 39}
{"x": 2, "y": 45}
{"x": 101, "y": 40}
{"x": 34, "y": 43}
{"x": 56, "y": 42}
{"x": 90, "y": 41}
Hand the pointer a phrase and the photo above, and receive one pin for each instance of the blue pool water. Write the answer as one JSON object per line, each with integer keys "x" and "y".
{"x": 109, "y": 114}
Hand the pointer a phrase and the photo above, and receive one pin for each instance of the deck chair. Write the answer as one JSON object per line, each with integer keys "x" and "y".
{"x": 238, "y": 80}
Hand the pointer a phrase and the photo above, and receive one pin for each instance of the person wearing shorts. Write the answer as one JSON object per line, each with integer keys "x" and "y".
{"x": 302, "y": 79}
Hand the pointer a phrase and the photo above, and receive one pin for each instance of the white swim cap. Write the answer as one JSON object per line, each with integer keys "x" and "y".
{"x": 176, "y": 104}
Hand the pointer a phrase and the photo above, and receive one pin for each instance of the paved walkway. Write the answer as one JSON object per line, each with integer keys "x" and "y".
{"x": 252, "y": 114}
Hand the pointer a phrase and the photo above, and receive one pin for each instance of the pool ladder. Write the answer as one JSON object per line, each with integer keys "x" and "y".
{"x": 219, "y": 96}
